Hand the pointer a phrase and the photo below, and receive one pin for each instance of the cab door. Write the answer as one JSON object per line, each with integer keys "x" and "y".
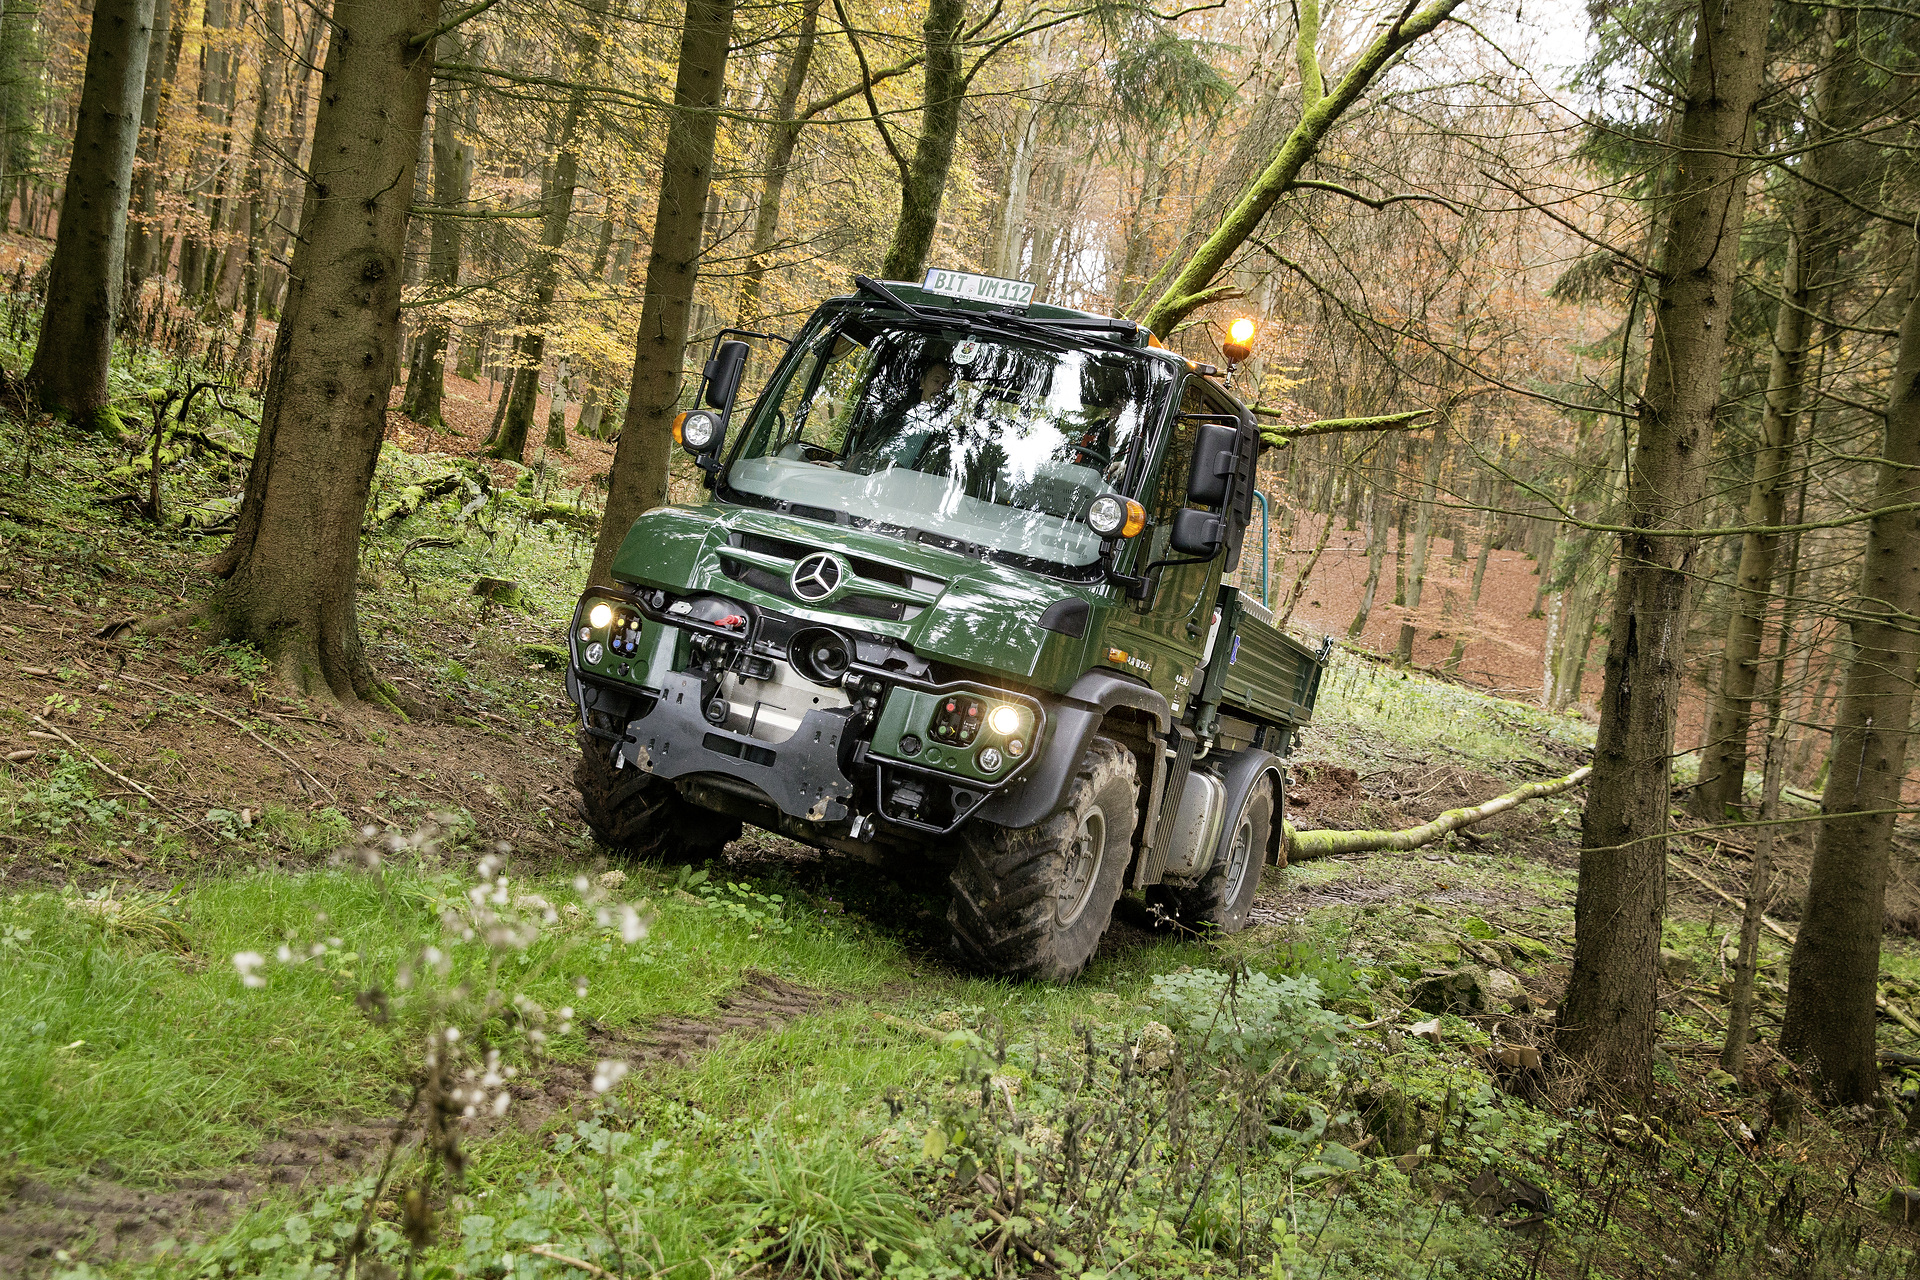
{"x": 1165, "y": 635}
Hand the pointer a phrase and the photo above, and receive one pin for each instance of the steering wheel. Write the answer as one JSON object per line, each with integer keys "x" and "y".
{"x": 811, "y": 452}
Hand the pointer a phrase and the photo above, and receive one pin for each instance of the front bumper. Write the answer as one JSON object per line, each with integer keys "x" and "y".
{"x": 838, "y": 769}
{"x": 801, "y": 776}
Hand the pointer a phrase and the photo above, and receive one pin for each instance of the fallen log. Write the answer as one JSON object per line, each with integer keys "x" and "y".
{"x": 1321, "y": 844}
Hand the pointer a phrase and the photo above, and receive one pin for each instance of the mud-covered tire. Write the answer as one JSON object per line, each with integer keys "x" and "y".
{"x": 638, "y": 815}
{"x": 1222, "y": 899}
{"x": 1033, "y": 902}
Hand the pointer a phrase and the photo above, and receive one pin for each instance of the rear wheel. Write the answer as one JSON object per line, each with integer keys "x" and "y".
{"x": 1033, "y": 902}
{"x": 1223, "y": 898}
{"x": 634, "y": 813}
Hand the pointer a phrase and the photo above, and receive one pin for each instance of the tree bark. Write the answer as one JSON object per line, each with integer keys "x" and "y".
{"x": 923, "y": 183}
{"x": 1836, "y": 960}
{"x": 452, "y": 182}
{"x": 1607, "y": 1020}
{"x": 783, "y": 135}
{"x": 291, "y": 567}
{"x": 638, "y": 481}
{"x": 271, "y": 62}
{"x": 1378, "y": 510}
{"x": 69, "y": 372}
{"x": 557, "y": 199}
{"x": 1301, "y": 845}
{"x": 1416, "y": 570}
{"x": 142, "y": 233}
{"x": 1812, "y": 245}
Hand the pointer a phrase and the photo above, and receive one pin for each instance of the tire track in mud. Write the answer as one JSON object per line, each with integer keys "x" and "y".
{"x": 99, "y": 1220}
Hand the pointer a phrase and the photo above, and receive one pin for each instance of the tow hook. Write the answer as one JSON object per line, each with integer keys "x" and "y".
{"x": 862, "y": 826}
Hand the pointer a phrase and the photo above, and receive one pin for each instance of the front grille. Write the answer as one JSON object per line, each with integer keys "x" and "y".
{"x": 893, "y": 595}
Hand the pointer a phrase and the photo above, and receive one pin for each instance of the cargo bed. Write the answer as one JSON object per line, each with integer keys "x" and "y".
{"x": 1257, "y": 672}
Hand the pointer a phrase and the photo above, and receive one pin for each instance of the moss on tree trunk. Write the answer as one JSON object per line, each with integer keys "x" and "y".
{"x": 291, "y": 567}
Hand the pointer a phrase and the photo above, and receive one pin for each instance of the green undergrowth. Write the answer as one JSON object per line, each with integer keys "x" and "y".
{"x": 1369, "y": 715}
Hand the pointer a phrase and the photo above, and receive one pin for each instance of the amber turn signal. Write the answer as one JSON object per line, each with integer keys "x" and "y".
{"x": 1239, "y": 343}
{"x": 1112, "y": 516}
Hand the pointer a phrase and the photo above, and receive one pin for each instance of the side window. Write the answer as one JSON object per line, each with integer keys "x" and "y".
{"x": 1170, "y": 493}
{"x": 814, "y": 405}
{"x": 830, "y": 409}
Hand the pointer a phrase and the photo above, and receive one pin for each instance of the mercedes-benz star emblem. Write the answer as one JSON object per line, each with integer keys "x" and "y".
{"x": 817, "y": 576}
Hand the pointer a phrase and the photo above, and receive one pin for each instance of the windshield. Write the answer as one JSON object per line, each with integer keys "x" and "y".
{"x": 995, "y": 441}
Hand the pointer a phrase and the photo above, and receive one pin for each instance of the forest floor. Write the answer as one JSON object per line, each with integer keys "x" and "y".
{"x": 235, "y": 926}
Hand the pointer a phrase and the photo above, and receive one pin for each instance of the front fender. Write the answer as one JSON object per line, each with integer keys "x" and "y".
{"x": 1072, "y": 722}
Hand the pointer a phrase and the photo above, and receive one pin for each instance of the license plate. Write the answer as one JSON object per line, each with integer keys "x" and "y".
{"x": 962, "y": 284}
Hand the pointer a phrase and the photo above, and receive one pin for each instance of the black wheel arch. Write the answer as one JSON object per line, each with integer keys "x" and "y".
{"x": 1073, "y": 721}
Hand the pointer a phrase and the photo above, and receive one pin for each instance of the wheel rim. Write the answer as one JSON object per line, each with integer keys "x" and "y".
{"x": 1082, "y": 870}
{"x": 1239, "y": 859}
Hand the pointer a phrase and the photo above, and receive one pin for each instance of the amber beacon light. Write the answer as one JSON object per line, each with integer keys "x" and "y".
{"x": 1239, "y": 344}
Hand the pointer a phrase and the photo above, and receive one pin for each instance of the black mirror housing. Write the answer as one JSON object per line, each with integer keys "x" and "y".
{"x": 1216, "y": 455}
{"x": 1198, "y": 533}
{"x": 723, "y": 373}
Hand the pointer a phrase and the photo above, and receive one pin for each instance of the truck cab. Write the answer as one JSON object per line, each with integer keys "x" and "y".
{"x": 955, "y": 604}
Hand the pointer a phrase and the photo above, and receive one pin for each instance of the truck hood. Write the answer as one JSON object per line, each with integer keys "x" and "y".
{"x": 970, "y": 612}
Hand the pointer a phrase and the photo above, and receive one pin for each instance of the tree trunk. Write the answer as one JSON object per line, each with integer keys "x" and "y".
{"x": 20, "y": 94}
{"x": 69, "y": 372}
{"x": 214, "y": 74}
{"x": 270, "y": 67}
{"x": 923, "y": 184}
{"x": 783, "y": 135}
{"x": 638, "y": 481}
{"x": 1284, "y": 614}
{"x": 291, "y": 567}
{"x": 1812, "y": 245}
{"x": 556, "y": 441}
{"x": 1733, "y": 1049}
{"x": 562, "y": 181}
{"x": 1377, "y": 515}
{"x": 1607, "y": 1020}
{"x": 142, "y": 234}
{"x": 1836, "y": 959}
{"x": 452, "y": 182}
{"x": 1301, "y": 845}
{"x": 1416, "y": 570}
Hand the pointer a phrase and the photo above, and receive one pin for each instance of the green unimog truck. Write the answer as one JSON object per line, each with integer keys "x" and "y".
{"x": 956, "y": 605}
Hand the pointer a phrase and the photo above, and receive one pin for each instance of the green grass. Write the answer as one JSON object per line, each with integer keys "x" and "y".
{"x": 1367, "y": 712}
{"x": 155, "y": 1061}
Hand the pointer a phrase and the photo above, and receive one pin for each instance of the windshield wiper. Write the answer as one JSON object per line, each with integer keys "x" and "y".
{"x": 867, "y": 284}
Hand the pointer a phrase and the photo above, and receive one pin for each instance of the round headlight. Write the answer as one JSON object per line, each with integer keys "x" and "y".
{"x": 1108, "y": 515}
{"x": 1004, "y": 720}
{"x": 600, "y": 615}
{"x": 699, "y": 431}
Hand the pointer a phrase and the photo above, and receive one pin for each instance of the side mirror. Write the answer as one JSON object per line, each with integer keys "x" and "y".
{"x": 723, "y": 373}
{"x": 1198, "y": 533}
{"x": 1216, "y": 456}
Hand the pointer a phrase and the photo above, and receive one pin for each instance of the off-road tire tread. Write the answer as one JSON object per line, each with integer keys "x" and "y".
{"x": 1203, "y": 904}
{"x": 637, "y": 815}
{"x": 1000, "y": 916}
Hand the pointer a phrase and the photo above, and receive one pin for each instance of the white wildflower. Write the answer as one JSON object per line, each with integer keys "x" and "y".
{"x": 608, "y": 1074}
{"x": 632, "y": 927}
{"x": 248, "y": 963}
